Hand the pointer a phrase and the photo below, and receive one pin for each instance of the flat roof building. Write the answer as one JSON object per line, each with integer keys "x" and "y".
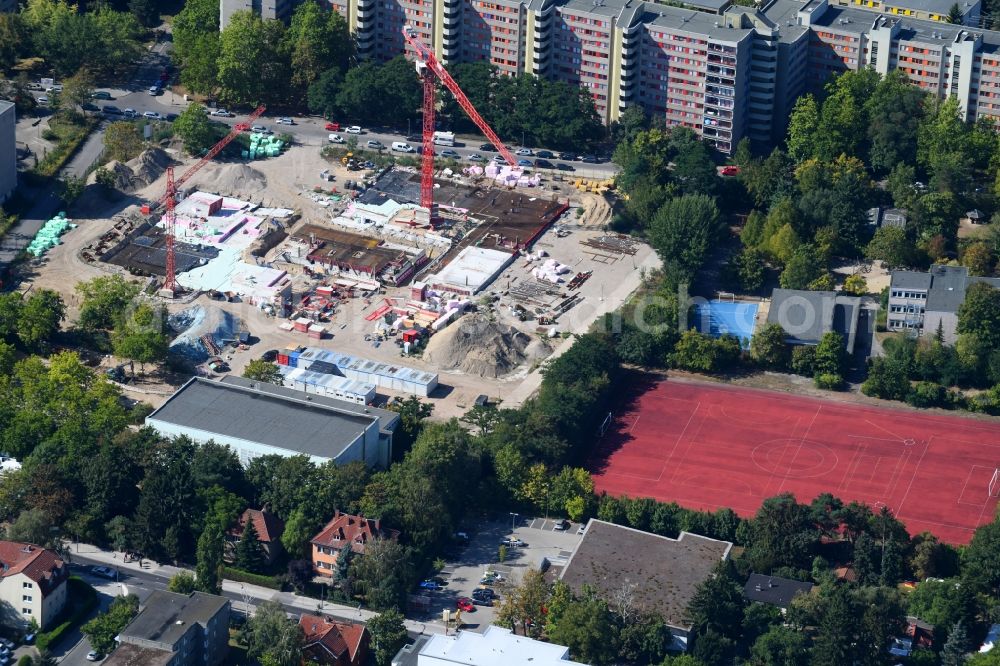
{"x": 806, "y": 316}
{"x": 665, "y": 572}
{"x": 256, "y": 418}
{"x": 471, "y": 271}
{"x": 494, "y": 647}
{"x": 924, "y": 303}
{"x": 176, "y": 630}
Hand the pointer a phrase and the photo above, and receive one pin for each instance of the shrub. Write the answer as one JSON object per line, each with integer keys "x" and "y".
{"x": 241, "y": 576}
{"x": 84, "y": 602}
{"x": 803, "y": 360}
{"x": 927, "y": 394}
{"x": 829, "y": 381}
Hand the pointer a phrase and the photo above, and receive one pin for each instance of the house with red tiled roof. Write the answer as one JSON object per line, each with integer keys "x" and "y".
{"x": 333, "y": 643}
{"x": 269, "y": 530}
{"x": 32, "y": 584}
{"x": 344, "y": 529}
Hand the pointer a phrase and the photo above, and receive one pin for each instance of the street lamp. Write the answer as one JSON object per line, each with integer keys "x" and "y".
{"x": 882, "y": 511}
{"x": 513, "y": 517}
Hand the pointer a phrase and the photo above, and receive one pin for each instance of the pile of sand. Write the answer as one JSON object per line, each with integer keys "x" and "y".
{"x": 236, "y": 180}
{"x": 150, "y": 165}
{"x": 477, "y": 346}
{"x": 198, "y": 321}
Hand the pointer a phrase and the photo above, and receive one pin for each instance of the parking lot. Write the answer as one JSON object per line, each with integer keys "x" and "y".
{"x": 462, "y": 575}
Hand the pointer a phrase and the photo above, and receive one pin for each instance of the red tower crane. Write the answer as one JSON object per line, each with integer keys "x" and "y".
{"x": 169, "y": 197}
{"x": 428, "y": 66}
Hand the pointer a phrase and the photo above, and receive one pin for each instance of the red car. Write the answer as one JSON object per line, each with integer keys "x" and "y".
{"x": 332, "y": 127}
{"x": 730, "y": 170}
{"x": 464, "y": 604}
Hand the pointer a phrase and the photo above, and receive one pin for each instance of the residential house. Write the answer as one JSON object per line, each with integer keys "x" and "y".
{"x": 494, "y": 647}
{"x": 661, "y": 574}
{"x": 887, "y": 217}
{"x": 175, "y": 630}
{"x": 924, "y": 303}
{"x": 333, "y": 643}
{"x": 32, "y": 584}
{"x": 774, "y": 590}
{"x": 344, "y": 529}
{"x": 806, "y": 316}
{"x": 269, "y": 529}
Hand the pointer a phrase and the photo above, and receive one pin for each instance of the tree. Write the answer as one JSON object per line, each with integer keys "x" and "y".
{"x": 253, "y": 66}
{"x": 33, "y": 526}
{"x": 145, "y": 12}
{"x": 384, "y": 574}
{"x": 318, "y": 40}
{"x": 856, "y": 284}
{"x": 249, "y": 553}
{"x": 388, "y": 635}
{"x": 122, "y": 141}
{"x": 834, "y": 644}
{"x": 587, "y": 628}
{"x": 412, "y": 413}
{"x": 957, "y": 647}
{"x": 803, "y": 125}
{"x": 141, "y": 335}
{"x": 102, "y": 630}
{"x": 208, "y": 572}
{"x": 105, "y": 299}
{"x": 830, "y": 357}
{"x": 891, "y": 246}
{"x": 978, "y": 258}
{"x": 523, "y": 602}
{"x": 263, "y": 371}
{"x": 39, "y": 317}
{"x": 273, "y": 638}
{"x": 195, "y": 129}
{"x": 12, "y": 39}
{"x": 77, "y": 89}
{"x": 895, "y": 111}
{"x": 780, "y": 646}
{"x": 718, "y": 602}
{"x": 201, "y": 64}
{"x": 750, "y": 268}
{"x": 768, "y": 347}
{"x": 802, "y": 268}
{"x": 979, "y": 314}
{"x": 322, "y": 95}
{"x": 683, "y": 231}
{"x": 183, "y": 582}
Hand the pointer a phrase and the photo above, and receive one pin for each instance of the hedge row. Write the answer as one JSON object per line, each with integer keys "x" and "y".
{"x": 241, "y": 576}
{"x": 56, "y": 158}
{"x": 84, "y": 601}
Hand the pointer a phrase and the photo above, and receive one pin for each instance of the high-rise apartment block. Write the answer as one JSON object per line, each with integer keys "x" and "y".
{"x": 726, "y": 71}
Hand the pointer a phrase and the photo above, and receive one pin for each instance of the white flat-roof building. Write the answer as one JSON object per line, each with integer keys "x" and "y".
{"x": 471, "y": 271}
{"x": 384, "y": 375}
{"x": 331, "y": 386}
{"x": 495, "y": 647}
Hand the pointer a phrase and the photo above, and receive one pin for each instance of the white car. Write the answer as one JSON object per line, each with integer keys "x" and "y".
{"x": 104, "y": 572}
{"x": 260, "y": 129}
{"x": 353, "y": 129}
{"x": 528, "y": 152}
{"x": 285, "y": 121}
{"x": 56, "y": 88}
{"x": 43, "y": 100}
{"x": 130, "y": 113}
{"x": 153, "y": 115}
{"x": 94, "y": 655}
{"x": 222, "y": 113}
{"x": 336, "y": 138}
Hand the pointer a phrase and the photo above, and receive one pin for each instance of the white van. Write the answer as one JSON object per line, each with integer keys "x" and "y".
{"x": 402, "y": 147}
{"x": 444, "y": 138}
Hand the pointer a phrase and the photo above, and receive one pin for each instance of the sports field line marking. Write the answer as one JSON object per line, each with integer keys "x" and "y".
{"x": 897, "y": 471}
{"x": 798, "y": 450}
{"x": 968, "y": 477}
{"x": 913, "y": 477}
{"x": 851, "y": 465}
{"x": 632, "y": 427}
{"x": 895, "y": 436}
{"x": 677, "y": 441}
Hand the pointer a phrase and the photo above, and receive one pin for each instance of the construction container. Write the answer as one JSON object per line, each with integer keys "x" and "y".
{"x": 316, "y": 332}
{"x": 282, "y": 359}
{"x": 302, "y": 324}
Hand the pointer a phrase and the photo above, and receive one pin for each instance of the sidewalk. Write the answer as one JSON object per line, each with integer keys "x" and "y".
{"x": 246, "y": 592}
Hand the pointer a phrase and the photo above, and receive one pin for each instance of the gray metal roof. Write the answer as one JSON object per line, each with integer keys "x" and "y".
{"x": 265, "y": 414}
{"x": 910, "y": 280}
{"x": 774, "y": 590}
{"x": 947, "y": 292}
{"x": 807, "y": 315}
{"x": 694, "y": 22}
{"x": 167, "y": 616}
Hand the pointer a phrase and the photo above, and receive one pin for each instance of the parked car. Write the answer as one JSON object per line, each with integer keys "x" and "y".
{"x": 155, "y": 90}
{"x": 561, "y": 525}
{"x": 285, "y": 120}
{"x": 581, "y": 529}
{"x": 429, "y": 585}
{"x": 94, "y": 655}
{"x": 353, "y": 129}
{"x": 524, "y": 163}
{"x": 589, "y": 159}
{"x": 482, "y": 601}
{"x": 104, "y": 572}
{"x": 525, "y": 151}
{"x": 512, "y": 542}
{"x": 270, "y": 355}
{"x": 570, "y": 156}
{"x": 730, "y": 170}
{"x": 87, "y": 106}
{"x": 29, "y": 639}
{"x": 476, "y": 157}
{"x": 153, "y": 115}
{"x": 335, "y": 138}
{"x": 488, "y": 148}
{"x": 484, "y": 593}
{"x": 130, "y": 113}
{"x": 7, "y": 643}
{"x": 43, "y": 99}
{"x": 450, "y": 154}
{"x": 101, "y": 94}
{"x": 375, "y": 145}
{"x": 260, "y": 129}
{"x": 464, "y": 604}
{"x": 332, "y": 127}
{"x": 54, "y": 88}
{"x": 562, "y": 166}
{"x": 170, "y": 117}
{"x": 111, "y": 110}
{"x": 546, "y": 154}
{"x": 544, "y": 164}
{"x": 221, "y": 113}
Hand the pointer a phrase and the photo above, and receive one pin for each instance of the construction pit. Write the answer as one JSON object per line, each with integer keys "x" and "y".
{"x": 364, "y": 273}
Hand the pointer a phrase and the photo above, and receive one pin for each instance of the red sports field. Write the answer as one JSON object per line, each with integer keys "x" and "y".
{"x": 708, "y": 447}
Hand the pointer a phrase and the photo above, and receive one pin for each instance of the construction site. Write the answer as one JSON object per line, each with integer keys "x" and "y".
{"x": 446, "y": 284}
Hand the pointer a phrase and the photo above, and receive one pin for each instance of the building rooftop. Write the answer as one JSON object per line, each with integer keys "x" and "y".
{"x": 666, "y": 572}
{"x": 268, "y": 526}
{"x": 266, "y": 414}
{"x": 774, "y": 590}
{"x": 167, "y": 616}
{"x": 784, "y": 14}
{"x": 473, "y": 269}
{"x": 128, "y": 654}
{"x": 358, "y": 531}
{"x": 331, "y": 642}
{"x": 679, "y": 19}
{"x": 495, "y": 647}
{"x": 40, "y": 565}
{"x": 945, "y": 285}
{"x": 807, "y": 315}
